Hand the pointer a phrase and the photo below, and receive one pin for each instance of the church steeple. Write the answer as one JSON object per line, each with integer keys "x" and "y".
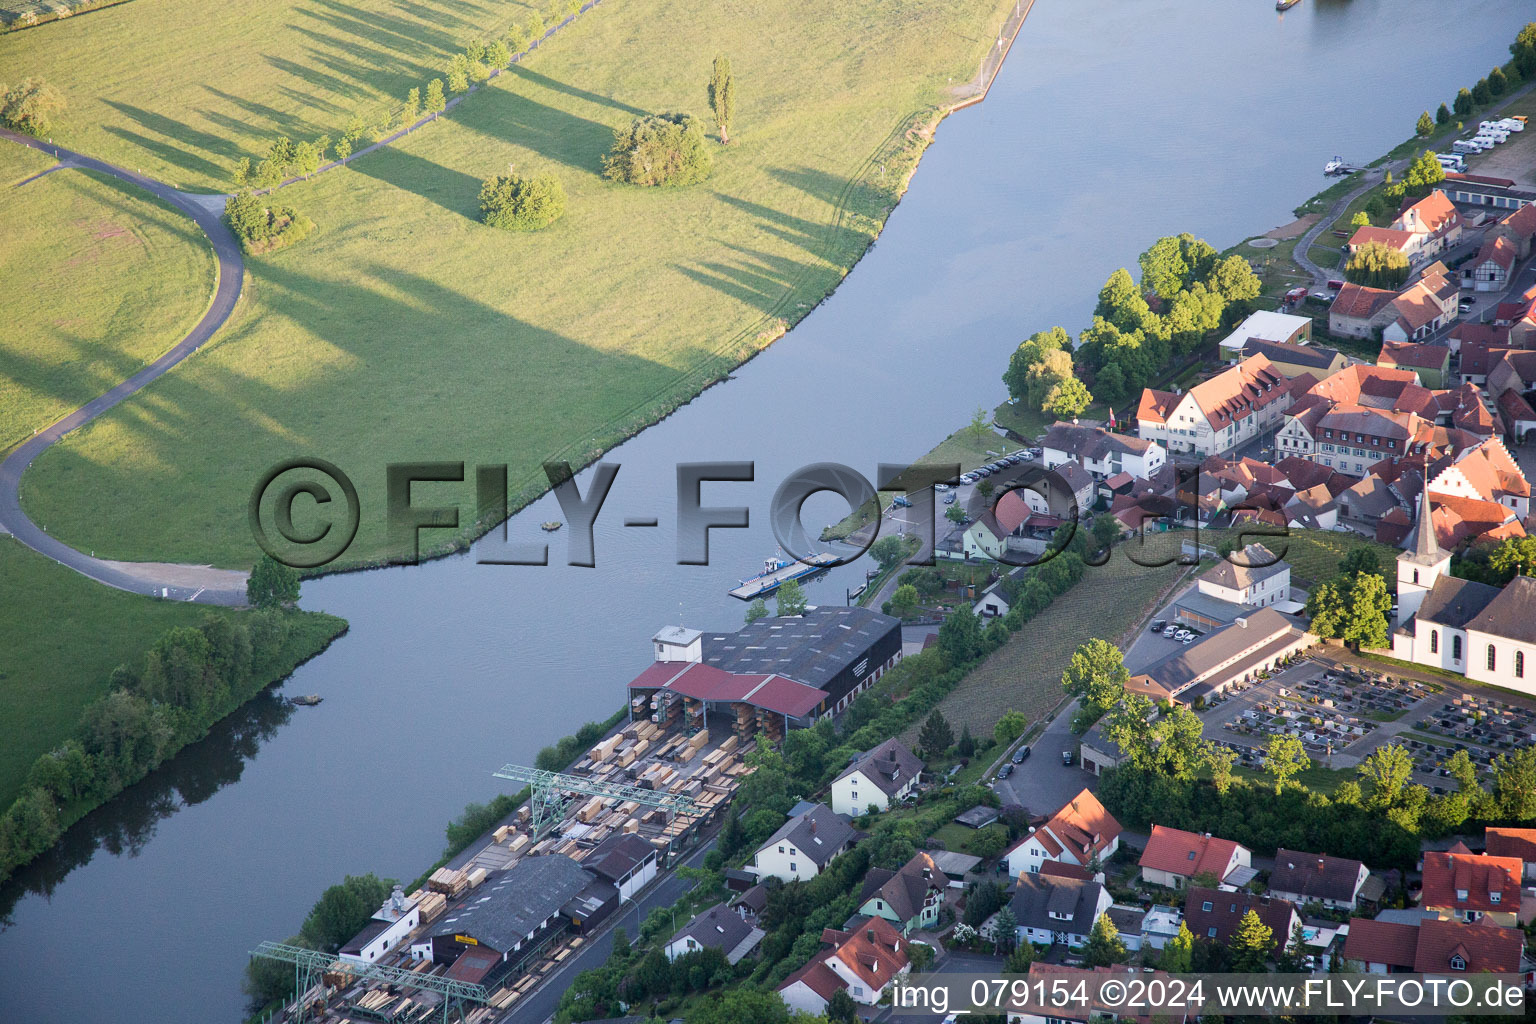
{"x": 1423, "y": 562}
{"x": 1425, "y": 546}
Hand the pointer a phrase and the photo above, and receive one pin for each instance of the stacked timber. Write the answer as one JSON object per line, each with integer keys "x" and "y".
{"x": 475, "y": 877}
{"x": 447, "y": 881}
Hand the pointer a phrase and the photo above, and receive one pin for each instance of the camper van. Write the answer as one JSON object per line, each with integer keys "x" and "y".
{"x": 1452, "y": 161}
{"x": 1511, "y": 124}
{"x": 1465, "y": 147}
{"x": 1496, "y": 134}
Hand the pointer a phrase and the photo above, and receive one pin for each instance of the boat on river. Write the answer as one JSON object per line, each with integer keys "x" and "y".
{"x": 1285, "y": 5}
{"x": 309, "y": 700}
{"x": 778, "y": 571}
{"x": 551, "y": 526}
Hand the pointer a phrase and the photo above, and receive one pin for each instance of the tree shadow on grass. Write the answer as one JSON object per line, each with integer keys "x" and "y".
{"x": 509, "y": 116}
{"x": 454, "y": 191}
{"x": 544, "y": 81}
{"x": 278, "y": 122}
{"x": 757, "y": 278}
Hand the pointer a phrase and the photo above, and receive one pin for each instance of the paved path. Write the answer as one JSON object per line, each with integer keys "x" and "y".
{"x": 181, "y": 583}
{"x": 1371, "y": 178}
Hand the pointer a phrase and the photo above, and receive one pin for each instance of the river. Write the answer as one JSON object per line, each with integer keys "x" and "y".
{"x": 1111, "y": 123}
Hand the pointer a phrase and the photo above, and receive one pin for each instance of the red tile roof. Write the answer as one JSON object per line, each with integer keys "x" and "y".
{"x": 1421, "y": 357}
{"x": 874, "y": 951}
{"x": 1500, "y": 250}
{"x": 775, "y": 693}
{"x": 1522, "y": 221}
{"x": 1186, "y": 853}
{"x": 1156, "y": 406}
{"x": 1449, "y": 874}
{"x": 1389, "y": 237}
{"x": 818, "y": 977}
{"x": 1360, "y": 302}
{"x": 1381, "y": 942}
{"x": 1479, "y": 947}
{"x": 1512, "y": 842}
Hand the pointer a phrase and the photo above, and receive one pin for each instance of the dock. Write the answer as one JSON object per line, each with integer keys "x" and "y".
{"x": 767, "y": 583}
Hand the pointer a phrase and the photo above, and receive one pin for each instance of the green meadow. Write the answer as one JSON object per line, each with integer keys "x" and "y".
{"x": 403, "y": 329}
{"x": 100, "y": 278}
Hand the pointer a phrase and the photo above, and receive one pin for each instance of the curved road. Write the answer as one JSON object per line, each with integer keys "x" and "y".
{"x": 207, "y": 212}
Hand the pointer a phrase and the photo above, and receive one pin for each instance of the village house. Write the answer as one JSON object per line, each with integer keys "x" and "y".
{"x": 1235, "y": 406}
{"x": 1173, "y": 858}
{"x": 1433, "y": 947}
{"x": 716, "y": 928}
{"x": 1294, "y": 360}
{"x": 1460, "y": 885}
{"x": 1103, "y": 453}
{"x": 1489, "y": 270}
{"x": 909, "y": 897}
{"x": 1519, "y": 227}
{"x": 1431, "y": 362}
{"x": 1434, "y": 223}
{"x": 1214, "y": 914}
{"x": 1050, "y": 909}
{"x": 1302, "y": 878}
{"x": 877, "y": 778}
{"x": 803, "y": 845}
{"x": 1519, "y": 843}
{"x": 1081, "y": 832}
{"x": 863, "y": 962}
{"x": 1357, "y": 311}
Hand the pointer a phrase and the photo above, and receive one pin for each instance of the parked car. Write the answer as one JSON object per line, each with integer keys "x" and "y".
{"x": 1465, "y": 305}
{"x": 1182, "y": 634}
{"x": 1066, "y": 757}
{"x": 942, "y": 487}
{"x": 1005, "y": 771}
{"x": 901, "y": 502}
{"x": 1021, "y": 755}
{"x": 1170, "y": 631}
{"x": 1334, "y": 284}
{"x": 1188, "y": 638}
{"x": 949, "y": 499}
{"x": 983, "y": 471}
{"x": 1158, "y": 625}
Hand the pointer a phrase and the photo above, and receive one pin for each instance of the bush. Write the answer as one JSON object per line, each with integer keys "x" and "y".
{"x": 660, "y": 149}
{"x": 263, "y": 228}
{"x": 31, "y": 107}
{"x": 521, "y": 204}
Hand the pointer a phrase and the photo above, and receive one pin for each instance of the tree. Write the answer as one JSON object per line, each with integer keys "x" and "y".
{"x": 1122, "y": 304}
{"x": 1497, "y": 83}
{"x": 1104, "y": 944}
{"x": 1019, "y": 960}
{"x": 1514, "y": 784}
{"x": 1523, "y": 50}
{"x": 955, "y": 514}
{"x": 343, "y": 910}
{"x": 272, "y": 584}
{"x": 757, "y": 610}
{"x": 1293, "y": 957}
{"x": 1053, "y": 368}
{"x": 659, "y": 149}
{"x": 1030, "y": 353}
{"x": 497, "y": 53}
{"x": 1361, "y": 219}
{"x": 1067, "y": 398}
{"x": 1425, "y": 126}
{"x": 1096, "y": 673}
{"x": 412, "y": 106}
{"x": 1178, "y": 751}
{"x": 790, "y": 599}
{"x": 1384, "y": 774}
{"x": 1220, "y": 760}
{"x": 936, "y": 736}
{"x": 306, "y": 159}
{"x": 1360, "y": 560}
{"x": 1353, "y": 609}
{"x": 722, "y": 96}
{"x": 1009, "y": 727}
{"x": 1481, "y": 94}
{"x": 1443, "y": 115}
{"x": 965, "y": 746}
{"x": 904, "y": 601}
{"x": 32, "y": 108}
{"x": 841, "y": 1009}
{"x": 1515, "y": 556}
{"x": 1284, "y": 756}
{"x": 980, "y": 424}
{"x": 457, "y": 73}
{"x": 242, "y": 174}
{"x": 1175, "y": 262}
{"x": 1005, "y": 930}
{"x": 435, "y": 103}
{"x": 1251, "y": 945}
{"x": 888, "y": 552}
{"x": 515, "y": 203}
{"x": 1377, "y": 266}
{"x": 1234, "y": 280}
{"x": 1462, "y": 104}
{"x": 1178, "y": 952}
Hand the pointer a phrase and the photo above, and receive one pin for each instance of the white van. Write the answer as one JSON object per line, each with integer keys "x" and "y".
{"x": 1509, "y": 124}
{"x": 1451, "y": 162}
{"x": 1463, "y": 147}
{"x": 1496, "y": 134}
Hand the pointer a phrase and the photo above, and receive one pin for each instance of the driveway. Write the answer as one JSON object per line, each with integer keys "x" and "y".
{"x": 1042, "y": 784}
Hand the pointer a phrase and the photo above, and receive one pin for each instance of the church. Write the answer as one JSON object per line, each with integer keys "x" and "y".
{"x": 1485, "y": 633}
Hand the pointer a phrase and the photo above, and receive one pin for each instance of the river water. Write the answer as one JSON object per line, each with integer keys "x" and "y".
{"x": 1111, "y": 123}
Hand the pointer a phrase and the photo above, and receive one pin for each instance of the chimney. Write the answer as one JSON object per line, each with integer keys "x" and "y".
{"x": 1319, "y": 865}
{"x": 869, "y": 933}
{"x": 813, "y": 826}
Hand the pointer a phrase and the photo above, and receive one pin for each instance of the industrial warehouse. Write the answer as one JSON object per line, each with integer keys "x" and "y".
{"x": 489, "y": 927}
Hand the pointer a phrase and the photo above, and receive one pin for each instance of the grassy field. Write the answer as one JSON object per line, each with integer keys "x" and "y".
{"x": 210, "y": 83}
{"x": 48, "y": 675}
{"x": 404, "y": 330}
{"x": 115, "y": 279}
{"x": 1109, "y": 602}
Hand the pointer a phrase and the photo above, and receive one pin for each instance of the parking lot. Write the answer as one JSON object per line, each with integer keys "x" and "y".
{"x": 1514, "y": 158}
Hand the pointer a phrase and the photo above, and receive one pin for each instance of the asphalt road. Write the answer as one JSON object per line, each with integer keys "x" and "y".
{"x": 206, "y": 211}
{"x": 1042, "y": 784}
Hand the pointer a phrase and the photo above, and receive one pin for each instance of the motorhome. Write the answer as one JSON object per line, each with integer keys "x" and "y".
{"x": 1452, "y": 161}
{"x": 1463, "y": 147}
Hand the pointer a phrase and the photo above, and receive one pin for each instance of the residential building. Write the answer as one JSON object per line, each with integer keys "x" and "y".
{"x": 876, "y": 778}
{"x": 1214, "y": 914}
{"x": 909, "y": 897}
{"x": 1485, "y": 472}
{"x": 1433, "y": 946}
{"x": 716, "y": 928}
{"x": 803, "y": 845}
{"x": 1236, "y": 653}
{"x": 1254, "y": 577}
{"x": 1052, "y": 910}
{"x": 1036, "y": 1003}
{"x": 1295, "y": 360}
{"x": 1402, "y": 241}
{"x": 1302, "y": 878}
{"x": 1381, "y": 947}
{"x": 1434, "y": 223}
{"x": 1237, "y": 405}
{"x": 1460, "y": 885}
{"x": 1519, "y": 227}
{"x": 1173, "y": 857}
{"x": 1101, "y": 452}
{"x": 1490, "y": 269}
{"x": 1431, "y": 362}
{"x": 1080, "y": 832}
{"x": 750, "y": 903}
{"x": 863, "y": 962}
{"x": 1518, "y": 843}
{"x": 1359, "y": 311}
{"x": 1266, "y": 325}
